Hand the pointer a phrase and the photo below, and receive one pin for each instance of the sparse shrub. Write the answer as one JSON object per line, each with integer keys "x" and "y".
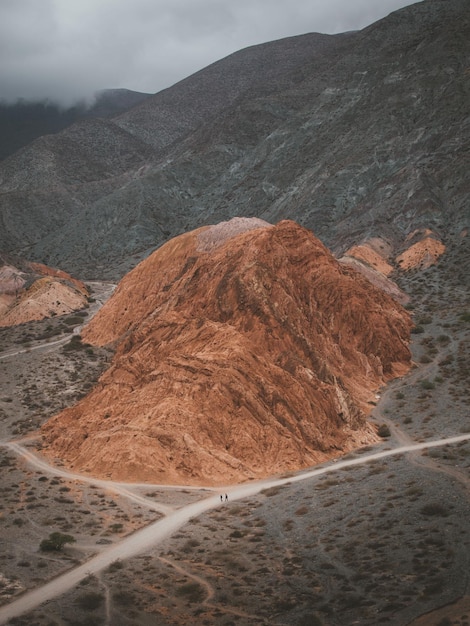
{"x": 425, "y": 319}
{"x": 55, "y": 542}
{"x": 124, "y": 598}
{"x": 443, "y": 339}
{"x": 434, "y": 508}
{"x": 193, "y": 592}
{"x": 303, "y": 510}
{"x": 115, "y": 565}
{"x": 90, "y": 601}
{"x": 75, "y": 319}
{"x": 191, "y": 543}
{"x": 115, "y": 528}
{"x": 427, "y": 384}
{"x": 384, "y": 431}
{"x": 237, "y": 534}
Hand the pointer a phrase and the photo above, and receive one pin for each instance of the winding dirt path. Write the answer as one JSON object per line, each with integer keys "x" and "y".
{"x": 211, "y": 593}
{"x": 156, "y": 532}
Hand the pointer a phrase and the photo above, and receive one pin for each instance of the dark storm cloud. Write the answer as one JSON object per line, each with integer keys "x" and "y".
{"x": 68, "y": 49}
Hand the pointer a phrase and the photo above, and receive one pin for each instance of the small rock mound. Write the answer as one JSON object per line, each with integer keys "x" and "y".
{"x": 33, "y": 291}
{"x": 214, "y": 236}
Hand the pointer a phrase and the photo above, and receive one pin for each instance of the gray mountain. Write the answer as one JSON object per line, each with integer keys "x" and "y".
{"x": 355, "y": 136}
{"x": 23, "y": 121}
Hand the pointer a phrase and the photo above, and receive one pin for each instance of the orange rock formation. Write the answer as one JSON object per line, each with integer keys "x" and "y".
{"x": 33, "y": 291}
{"x": 424, "y": 251}
{"x": 242, "y": 350}
{"x": 375, "y": 252}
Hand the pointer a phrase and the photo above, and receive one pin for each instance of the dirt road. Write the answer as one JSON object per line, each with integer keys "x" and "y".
{"x": 102, "y": 291}
{"x": 156, "y": 532}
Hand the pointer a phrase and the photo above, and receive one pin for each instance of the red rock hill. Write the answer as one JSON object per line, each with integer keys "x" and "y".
{"x": 32, "y": 291}
{"x": 242, "y": 350}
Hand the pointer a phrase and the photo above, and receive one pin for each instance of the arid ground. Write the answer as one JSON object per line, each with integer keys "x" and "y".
{"x": 384, "y": 542}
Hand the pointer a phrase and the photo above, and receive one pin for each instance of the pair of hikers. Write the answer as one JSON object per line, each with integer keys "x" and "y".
{"x": 222, "y": 497}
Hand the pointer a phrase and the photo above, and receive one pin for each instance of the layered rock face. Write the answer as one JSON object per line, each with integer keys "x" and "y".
{"x": 33, "y": 291}
{"x": 242, "y": 350}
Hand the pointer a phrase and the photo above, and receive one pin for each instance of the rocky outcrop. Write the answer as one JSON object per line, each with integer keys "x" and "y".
{"x": 424, "y": 249}
{"x": 33, "y": 291}
{"x": 374, "y": 252}
{"x": 242, "y": 349}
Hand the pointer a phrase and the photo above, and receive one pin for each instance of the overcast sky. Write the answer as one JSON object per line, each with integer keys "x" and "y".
{"x": 68, "y": 49}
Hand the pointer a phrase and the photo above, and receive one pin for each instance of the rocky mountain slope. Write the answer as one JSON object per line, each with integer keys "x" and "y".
{"x": 32, "y": 291}
{"x": 22, "y": 122}
{"x": 242, "y": 349}
{"x": 356, "y": 136}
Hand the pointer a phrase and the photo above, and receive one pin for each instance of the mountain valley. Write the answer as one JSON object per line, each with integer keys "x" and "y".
{"x": 263, "y": 285}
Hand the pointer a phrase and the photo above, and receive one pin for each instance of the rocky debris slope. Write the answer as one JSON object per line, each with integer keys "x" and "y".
{"x": 33, "y": 291}
{"x": 242, "y": 349}
{"x": 377, "y": 259}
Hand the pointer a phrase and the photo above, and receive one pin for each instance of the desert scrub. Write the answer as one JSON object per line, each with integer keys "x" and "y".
{"x": 55, "y": 542}
{"x": 192, "y": 591}
{"x": 383, "y": 431}
{"x": 434, "y": 509}
{"x": 427, "y": 384}
{"x": 90, "y": 601}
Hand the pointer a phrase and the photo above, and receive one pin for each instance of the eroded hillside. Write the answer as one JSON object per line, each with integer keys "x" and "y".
{"x": 242, "y": 349}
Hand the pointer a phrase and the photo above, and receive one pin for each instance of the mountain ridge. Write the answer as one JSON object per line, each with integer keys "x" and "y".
{"x": 367, "y": 139}
{"x": 23, "y": 121}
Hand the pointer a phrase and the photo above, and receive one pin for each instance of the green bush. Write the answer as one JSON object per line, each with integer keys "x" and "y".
{"x": 55, "y": 542}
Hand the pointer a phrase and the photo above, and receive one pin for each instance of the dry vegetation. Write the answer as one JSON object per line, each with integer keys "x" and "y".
{"x": 381, "y": 543}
